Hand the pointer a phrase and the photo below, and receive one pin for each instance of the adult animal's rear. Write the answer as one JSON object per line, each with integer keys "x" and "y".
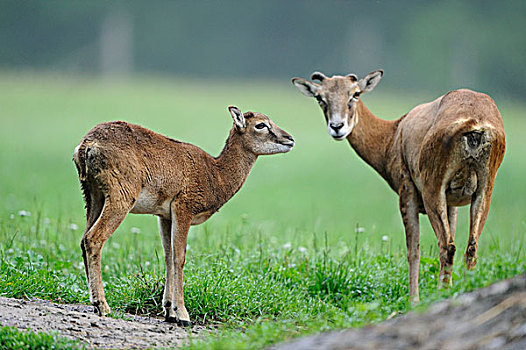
{"x": 124, "y": 168}
{"x": 441, "y": 155}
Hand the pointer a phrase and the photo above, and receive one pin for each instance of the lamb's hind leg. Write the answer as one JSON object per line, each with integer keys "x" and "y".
{"x": 113, "y": 213}
{"x": 94, "y": 203}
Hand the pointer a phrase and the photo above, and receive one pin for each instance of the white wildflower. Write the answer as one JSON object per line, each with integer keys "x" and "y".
{"x": 302, "y": 249}
{"x": 287, "y": 245}
{"x": 135, "y": 230}
{"x": 46, "y": 221}
{"x": 24, "y": 213}
{"x": 147, "y": 264}
{"x": 12, "y": 216}
{"x": 73, "y": 227}
{"x": 385, "y": 238}
{"x": 360, "y": 230}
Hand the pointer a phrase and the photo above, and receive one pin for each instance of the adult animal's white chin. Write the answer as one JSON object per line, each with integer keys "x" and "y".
{"x": 340, "y": 136}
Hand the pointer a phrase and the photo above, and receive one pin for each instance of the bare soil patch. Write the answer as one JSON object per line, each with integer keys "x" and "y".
{"x": 490, "y": 318}
{"x": 79, "y": 322}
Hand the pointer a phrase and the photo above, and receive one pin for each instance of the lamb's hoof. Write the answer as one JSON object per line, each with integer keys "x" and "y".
{"x": 101, "y": 309}
{"x": 184, "y": 323}
{"x": 180, "y": 323}
{"x": 414, "y": 300}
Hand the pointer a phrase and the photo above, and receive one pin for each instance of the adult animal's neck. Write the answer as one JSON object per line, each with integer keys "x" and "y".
{"x": 372, "y": 139}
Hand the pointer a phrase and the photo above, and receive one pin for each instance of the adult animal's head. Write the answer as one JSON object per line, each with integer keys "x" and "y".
{"x": 338, "y": 97}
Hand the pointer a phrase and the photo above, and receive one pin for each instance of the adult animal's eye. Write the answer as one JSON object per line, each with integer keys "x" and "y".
{"x": 321, "y": 103}
{"x": 260, "y": 126}
{"x": 356, "y": 94}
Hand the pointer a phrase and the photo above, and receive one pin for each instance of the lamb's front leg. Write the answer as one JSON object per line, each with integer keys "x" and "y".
{"x": 180, "y": 225}
{"x": 165, "y": 227}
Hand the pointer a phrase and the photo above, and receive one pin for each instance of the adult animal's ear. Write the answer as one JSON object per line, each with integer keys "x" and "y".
{"x": 238, "y": 117}
{"x": 369, "y": 82}
{"x": 308, "y": 88}
{"x": 353, "y": 77}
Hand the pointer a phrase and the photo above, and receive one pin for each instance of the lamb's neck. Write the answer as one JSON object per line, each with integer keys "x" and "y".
{"x": 233, "y": 165}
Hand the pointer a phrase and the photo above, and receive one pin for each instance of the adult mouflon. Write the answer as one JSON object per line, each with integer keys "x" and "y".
{"x": 440, "y": 155}
{"x": 124, "y": 168}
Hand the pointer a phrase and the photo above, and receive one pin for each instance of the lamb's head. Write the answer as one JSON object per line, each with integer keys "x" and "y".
{"x": 259, "y": 134}
{"x": 338, "y": 97}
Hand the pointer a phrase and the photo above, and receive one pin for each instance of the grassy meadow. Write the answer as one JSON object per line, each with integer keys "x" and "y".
{"x": 313, "y": 241}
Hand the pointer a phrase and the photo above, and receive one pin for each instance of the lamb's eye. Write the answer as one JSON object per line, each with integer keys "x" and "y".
{"x": 260, "y": 126}
{"x": 356, "y": 94}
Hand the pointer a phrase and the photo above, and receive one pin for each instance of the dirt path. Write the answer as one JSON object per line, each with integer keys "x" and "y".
{"x": 79, "y": 322}
{"x": 490, "y": 318}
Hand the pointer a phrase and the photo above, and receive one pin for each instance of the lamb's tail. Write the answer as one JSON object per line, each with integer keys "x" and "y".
{"x": 79, "y": 158}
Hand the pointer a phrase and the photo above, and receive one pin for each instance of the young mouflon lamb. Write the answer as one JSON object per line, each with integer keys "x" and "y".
{"x": 124, "y": 168}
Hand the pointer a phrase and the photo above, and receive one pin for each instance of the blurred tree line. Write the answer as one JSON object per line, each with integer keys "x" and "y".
{"x": 432, "y": 45}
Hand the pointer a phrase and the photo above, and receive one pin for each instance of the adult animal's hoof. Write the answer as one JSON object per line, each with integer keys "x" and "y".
{"x": 171, "y": 319}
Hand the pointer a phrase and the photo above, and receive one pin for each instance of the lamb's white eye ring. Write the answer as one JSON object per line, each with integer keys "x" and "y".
{"x": 260, "y": 126}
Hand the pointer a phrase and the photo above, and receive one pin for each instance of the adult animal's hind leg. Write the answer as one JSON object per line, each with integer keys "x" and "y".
{"x": 489, "y": 159}
{"x": 480, "y": 204}
{"x": 435, "y": 204}
{"x": 452, "y": 217}
{"x": 113, "y": 213}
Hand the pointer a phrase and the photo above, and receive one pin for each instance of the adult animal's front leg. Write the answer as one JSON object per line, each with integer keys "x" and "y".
{"x": 409, "y": 210}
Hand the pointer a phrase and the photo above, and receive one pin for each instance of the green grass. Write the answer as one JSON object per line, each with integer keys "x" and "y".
{"x": 11, "y": 338}
{"x": 282, "y": 258}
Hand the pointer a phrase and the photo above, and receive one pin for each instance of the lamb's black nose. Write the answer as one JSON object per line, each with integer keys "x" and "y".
{"x": 288, "y": 137}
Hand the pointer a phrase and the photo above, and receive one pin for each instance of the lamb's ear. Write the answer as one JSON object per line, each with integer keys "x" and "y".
{"x": 238, "y": 117}
{"x": 369, "y": 82}
{"x": 308, "y": 88}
